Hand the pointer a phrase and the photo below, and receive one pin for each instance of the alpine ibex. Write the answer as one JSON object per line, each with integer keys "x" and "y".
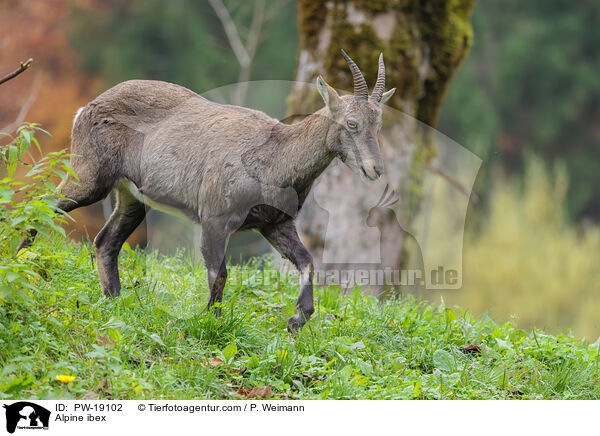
{"x": 226, "y": 167}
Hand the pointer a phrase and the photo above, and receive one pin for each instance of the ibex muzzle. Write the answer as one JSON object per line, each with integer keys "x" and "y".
{"x": 226, "y": 167}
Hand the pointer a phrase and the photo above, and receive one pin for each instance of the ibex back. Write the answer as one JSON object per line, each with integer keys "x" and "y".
{"x": 226, "y": 167}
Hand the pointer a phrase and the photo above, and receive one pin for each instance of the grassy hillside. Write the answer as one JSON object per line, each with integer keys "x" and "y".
{"x": 157, "y": 341}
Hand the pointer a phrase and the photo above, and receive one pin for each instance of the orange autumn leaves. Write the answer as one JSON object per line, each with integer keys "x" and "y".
{"x": 54, "y": 83}
{"x": 256, "y": 392}
{"x": 52, "y": 89}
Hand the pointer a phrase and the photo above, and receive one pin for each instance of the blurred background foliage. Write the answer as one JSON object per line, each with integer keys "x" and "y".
{"x": 526, "y": 100}
{"x": 181, "y": 41}
{"x": 527, "y": 260}
{"x": 530, "y": 84}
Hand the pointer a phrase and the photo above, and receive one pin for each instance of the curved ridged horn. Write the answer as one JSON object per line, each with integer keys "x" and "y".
{"x": 380, "y": 84}
{"x": 361, "y": 89}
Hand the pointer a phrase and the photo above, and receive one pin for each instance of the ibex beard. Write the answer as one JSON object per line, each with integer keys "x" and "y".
{"x": 227, "y": 168}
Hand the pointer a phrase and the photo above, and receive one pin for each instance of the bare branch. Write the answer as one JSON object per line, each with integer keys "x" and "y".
{"x": 454, "y": 182}
{"x": 243, "y": 52}
{"x": 231, "y": 31}
{"x": 26, "y": 106}
{"x": 255, "y": 28}
{"x": 23, "y": 67}
{"x": 251, "y": 45}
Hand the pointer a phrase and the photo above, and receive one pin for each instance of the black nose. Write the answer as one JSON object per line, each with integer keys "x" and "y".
{"x": 377, "y": 171}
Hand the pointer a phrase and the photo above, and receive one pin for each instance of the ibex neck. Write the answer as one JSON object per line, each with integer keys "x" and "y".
{"x": 301, "y": 152}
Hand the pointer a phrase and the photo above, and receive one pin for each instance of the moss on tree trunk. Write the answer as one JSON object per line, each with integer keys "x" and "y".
{"x": 423, "y": 42}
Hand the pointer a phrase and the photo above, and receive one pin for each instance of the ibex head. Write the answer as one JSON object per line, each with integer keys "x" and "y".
{"x": 357, "y": 121}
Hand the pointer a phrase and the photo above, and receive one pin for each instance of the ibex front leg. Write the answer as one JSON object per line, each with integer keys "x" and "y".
{"x": 213, "y": 245}
{"x": 284, "y": 238}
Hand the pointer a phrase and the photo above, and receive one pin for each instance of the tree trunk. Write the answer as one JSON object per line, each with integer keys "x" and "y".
{"x": 423, "y": 42}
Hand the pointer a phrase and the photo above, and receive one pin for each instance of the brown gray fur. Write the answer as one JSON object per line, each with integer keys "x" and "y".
{"x": 226, "y": 167}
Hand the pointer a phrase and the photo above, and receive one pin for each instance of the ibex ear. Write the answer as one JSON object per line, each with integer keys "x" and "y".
{"x": 387, "y": 95}
{"x": 330, "y": 96}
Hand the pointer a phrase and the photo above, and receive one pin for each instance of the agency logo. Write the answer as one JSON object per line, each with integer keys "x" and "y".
{"x": 26, "y": 415}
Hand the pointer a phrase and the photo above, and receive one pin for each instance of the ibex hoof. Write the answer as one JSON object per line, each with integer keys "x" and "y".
{"x": 111, "y": 294}
{"x": 23, "y": 244}
{"x": 293, "y": 325}
{"x": 296, "y": 322}
{"x": 215, "y": 310}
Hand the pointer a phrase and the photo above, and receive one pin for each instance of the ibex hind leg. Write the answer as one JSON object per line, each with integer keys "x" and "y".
{"x": 79, "y": 193}
{"x": 128, "y": 214}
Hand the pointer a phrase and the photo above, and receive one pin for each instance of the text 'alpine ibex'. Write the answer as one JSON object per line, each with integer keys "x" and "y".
{"x": 227, "y": 168}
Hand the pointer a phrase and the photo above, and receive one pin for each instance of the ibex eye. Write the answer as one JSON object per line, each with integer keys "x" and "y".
{"x": 352, "y": 124}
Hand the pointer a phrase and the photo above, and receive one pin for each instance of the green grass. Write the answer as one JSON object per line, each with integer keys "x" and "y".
{"x": 157, "y": 341}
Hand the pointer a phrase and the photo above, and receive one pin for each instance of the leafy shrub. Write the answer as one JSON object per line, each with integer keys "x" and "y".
{"x": 27, "y": 203}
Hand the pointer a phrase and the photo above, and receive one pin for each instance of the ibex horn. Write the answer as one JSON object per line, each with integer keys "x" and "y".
{"x": 361, "y": 89}
{"x": 380, "y": 84}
